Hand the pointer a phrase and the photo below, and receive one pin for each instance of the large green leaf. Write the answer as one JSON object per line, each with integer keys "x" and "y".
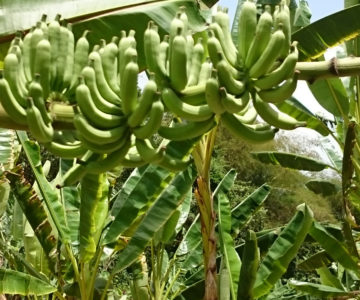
{"x": 156, "y": 217}
{"x": 55, "y": 208}
{"x": 283, "y": 250}
{"x": 331, "y": 94}
{"x": 230, "y": 256}
{"x": 316, "y": 38}
{"x": 336, "y": 249}
{"x": 323, "y": 187}
{"x": 317, "y": 260}
{"x": 13, "y": 282}
{"x": 290, "y": 160}
{"x": 244, "y": 211}
{"x": 294, "y": 108}
{"x": 318, "y": 290}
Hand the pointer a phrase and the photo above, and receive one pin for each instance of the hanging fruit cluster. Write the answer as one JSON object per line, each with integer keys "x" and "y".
{"x": 115, "y": 123}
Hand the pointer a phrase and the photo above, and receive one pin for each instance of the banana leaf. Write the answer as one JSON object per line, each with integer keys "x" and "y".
{"x": 140, "y": 190}
{"x": 294, "y": 108}
{"x": 323, "y": 187}
{"x": 336, "y": 249}
{"x": 50, "y": 197}
{"x": 7, "y": 147}
{"x": 93, "y": 211}
{"x": 329, "y": 279}
{"x": 318, "y": 290}
{"x": 331, "y": 94}
{"x": 13, "y": 282}
{"x": 231, "y": 259}
{"x": 318, "y": 260}
{"x": 156, "y": 216}
{"x": 71, "y": 199}
{"x": 250, "y": 264}
{"x": 17, "y": 222}
{"x": 328, "y": 32}
{"x": 290, "y": 160}
{"x": 4, "y": 195}
{"x": 283, "y": 250}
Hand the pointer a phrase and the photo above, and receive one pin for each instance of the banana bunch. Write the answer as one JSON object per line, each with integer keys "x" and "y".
{"x": 254, "y": 72}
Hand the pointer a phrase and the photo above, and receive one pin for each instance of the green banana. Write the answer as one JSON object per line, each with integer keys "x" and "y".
{"x": 222, "y": 18}
{"x": 125, "y": 43}
{"x": 184, "y": 110}
{"x": 229, "y": 53}
{"x": 243, "y": 131}
{"x": 69, "y": 62}
{"x": 269, "y": 55}
{"x": 36, "y": 37}
{"x": 153, "y": 122}
{"x": 66, "y": 151}
{"x": 205, "y": 71}
{"x": 41, "y": 131}
{"x": 186, "y": 130}
{"x": 283, "y": 72}
{"x": 9, "y": 103}
{"x": 248, "y": 116}
{"x": 178, "y": 62}
{"x": 104, "y": 148}
{"x": 189, "y": 51}
{"x": 26, "y": 54}
{"x": 196, "y": 60}
{"x": 231, "y": 103}
{"x": 11, "y": 74}
{"x": 111, "y": 161}
{"x": 54, "y": 39}
{"x": 80, "y": 59}
{"x": 36, "y": 93}
{"x": 21, "y": 79}
{"x": 146, "y": 100}
{"x": 282, "y": 20}
{"x": 212, "y": 94}
{"x": 280, "y": 93}
{"x": 246, "y": 27}
{"x": 163, "y": 56}
{"x": 147, "y": 152}
{"x": 214, "y": 48}
{"x": 274, "y": 117}
{"x": 101, "y": 82}
{"x": 95, "y": 135}
{"x": 173, "y": 164}
{"x": 128, "y": 84}
{"x": 176, "y": 25}
{"x": 95, "y": 116}
{"x": 110, "y": 64}
{"x": 152, "y": 50}
{"x": 261, "y": 38}
{"x": 42, "y": 65}
{"x": 184, "y": 18}
{"x": 103, "y": 105}
{"x": 235, "y": 87}
{"x": 44, "y": 26}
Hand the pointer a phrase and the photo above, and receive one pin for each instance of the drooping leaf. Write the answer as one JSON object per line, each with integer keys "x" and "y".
{"x": 329, "y": 279}
{"x": 318, "y": 290}
{"x": 302, "y": 15}
{"x": 250, "y": 264}
{"x": 290, "y": 160}
{"x": 243, "y": 212}
{"x": 156, "y": 216}
{"x": 51, "y": 199}
{"x": 336, "y": 249}
{"x": 318, "y": 260}
{"x": 230, "y": 257}
{"x": 322, "y": 187}
{"x": 14, "y": 282}
{"x": 283, "y": 250}
{"x": 4, "y": 195}
{"x": 331, "y": 94}
{"x": 294, "y": 108}
{"x": 141, "y": 190}
{"x": 333, "y": 151}
{"x": 325, "y": 33}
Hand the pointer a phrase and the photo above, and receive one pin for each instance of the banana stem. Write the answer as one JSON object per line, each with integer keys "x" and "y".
{"x": 204, "y": 200}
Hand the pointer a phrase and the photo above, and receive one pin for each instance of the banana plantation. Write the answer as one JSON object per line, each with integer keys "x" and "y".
{"x": 150, "y": 151}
